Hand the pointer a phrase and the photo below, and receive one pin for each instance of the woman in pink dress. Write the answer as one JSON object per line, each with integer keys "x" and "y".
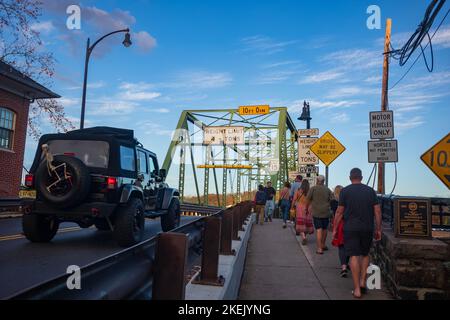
{"x": 304, "y": 221}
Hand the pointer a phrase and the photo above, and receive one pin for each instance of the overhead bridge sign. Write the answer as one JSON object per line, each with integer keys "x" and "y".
{"x": 382, "y": 125}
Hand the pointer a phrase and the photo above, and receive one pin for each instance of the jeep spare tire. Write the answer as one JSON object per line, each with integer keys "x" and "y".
{"x": 66, "y": 185}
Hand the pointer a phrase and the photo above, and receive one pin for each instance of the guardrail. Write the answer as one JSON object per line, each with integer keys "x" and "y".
{"x": 154, "y": 268}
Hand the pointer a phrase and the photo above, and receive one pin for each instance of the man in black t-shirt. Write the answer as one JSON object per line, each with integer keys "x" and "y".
{"x": 358, "y": 206}
{"x": 270, "y": 202}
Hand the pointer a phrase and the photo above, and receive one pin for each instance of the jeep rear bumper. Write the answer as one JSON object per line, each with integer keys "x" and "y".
{"x": 89, "y": 209}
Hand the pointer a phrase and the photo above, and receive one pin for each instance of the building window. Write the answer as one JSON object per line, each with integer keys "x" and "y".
{"x": 7, "y": 118}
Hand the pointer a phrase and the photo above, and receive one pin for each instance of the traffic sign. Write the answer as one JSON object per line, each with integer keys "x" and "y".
{"x": 381, "y": 124}
{"x": 223, "y": 135}
{"x": 305, "y": 156}
{"x": 382, "y": 151}
{"x": 437, "y": 158}
{"x": 308, "y": 132}
{"x": 309, "y": 169}
{"x": 253, "y": 110}
{"x": 327, "y": 148}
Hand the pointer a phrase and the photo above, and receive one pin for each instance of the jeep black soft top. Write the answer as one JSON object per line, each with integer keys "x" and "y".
{"x": 115, "y": 137}
{"x": 98, "y": 176}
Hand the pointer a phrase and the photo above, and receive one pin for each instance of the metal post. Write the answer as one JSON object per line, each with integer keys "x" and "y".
{"x": 83, "y": 100}
{"x": 168, "y": 279}
{"x": 226, "y": 233}
{"x": 236, "y": 222}
{"x": 210, "y": 256}
{"x": 326, "y": 176}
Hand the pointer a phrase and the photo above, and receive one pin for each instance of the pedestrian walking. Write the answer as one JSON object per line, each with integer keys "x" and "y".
{"x": 270, "y": 202}
{"x": 339, "y": 240}
{"x": 285, "y": 202}
{"x": 319, "y": 198}
{"x": 260, "y": 202}
{"x": 358, "y": 207}
{"x": 304, "y": 221}
{"x": 294, "y": 187}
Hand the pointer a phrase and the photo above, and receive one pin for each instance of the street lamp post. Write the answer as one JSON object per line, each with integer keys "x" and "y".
{"x": 306, "y": 116}
{"x": 126, "y": 42}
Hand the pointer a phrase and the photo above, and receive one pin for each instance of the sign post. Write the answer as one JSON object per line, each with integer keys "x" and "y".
{"x": 327, "y": 148}
{"x": 437, "y": 158}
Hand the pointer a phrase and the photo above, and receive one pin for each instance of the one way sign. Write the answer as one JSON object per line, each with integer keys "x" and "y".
{"x": 437, "y": 158}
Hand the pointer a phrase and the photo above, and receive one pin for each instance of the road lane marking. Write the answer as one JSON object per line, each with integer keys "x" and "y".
{"x": 21, "y": 236}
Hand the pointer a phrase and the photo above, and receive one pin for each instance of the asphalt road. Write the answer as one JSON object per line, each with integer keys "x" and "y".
{"x": 24, "y": 264}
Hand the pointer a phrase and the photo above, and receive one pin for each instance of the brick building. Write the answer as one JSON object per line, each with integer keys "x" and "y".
{"x": 17, "y": 91}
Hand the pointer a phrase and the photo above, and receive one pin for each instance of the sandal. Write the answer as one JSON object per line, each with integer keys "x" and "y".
{"x": 325, "y": 248}
{"x": 344, "y": 274}
{"x": 319, "y": 252}
{"x": 356, "y": 297}
{"x": 363, "y": 290}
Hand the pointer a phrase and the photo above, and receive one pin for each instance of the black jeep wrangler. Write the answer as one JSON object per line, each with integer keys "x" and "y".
{"x": 98, "y": 176}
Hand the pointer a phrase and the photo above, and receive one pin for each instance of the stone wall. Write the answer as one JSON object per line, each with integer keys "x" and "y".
{"x": 413, "y": 268}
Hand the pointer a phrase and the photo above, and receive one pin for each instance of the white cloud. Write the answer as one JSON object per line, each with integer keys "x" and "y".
{"x": 322, "y": 77}
{"x": 354, "y": 59}
{"x": 69, "y": 102}
{"x": 328, "y": 104}
{"x": 43, "y": 27}
{"x": 279, "y": 64}
{"x": 111, "y": 107}
{"x": 90, "y": 85}
{"x": 265, "y": 45}
{"x": 137, "y": 91}
{"x": 407, "y": 124}
{"x": 340, "y": 118}
{"x": 275, "y": 76}
{"x": 201, "y": 80}
{"x": 144, "y": 41}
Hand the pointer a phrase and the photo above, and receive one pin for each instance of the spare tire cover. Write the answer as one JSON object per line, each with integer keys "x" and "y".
{"x": 66, "y": 185}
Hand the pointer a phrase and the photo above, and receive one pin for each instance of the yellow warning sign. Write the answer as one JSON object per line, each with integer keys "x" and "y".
{"x": 437, "y": 158}
{"x": 252, "y": 110}
{"x": 327, "y": 148}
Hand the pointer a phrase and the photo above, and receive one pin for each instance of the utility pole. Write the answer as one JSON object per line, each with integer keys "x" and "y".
{"x": 384, "y": 95}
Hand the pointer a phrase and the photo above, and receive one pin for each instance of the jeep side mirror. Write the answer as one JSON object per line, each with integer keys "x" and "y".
{"x": 162, "y": 173}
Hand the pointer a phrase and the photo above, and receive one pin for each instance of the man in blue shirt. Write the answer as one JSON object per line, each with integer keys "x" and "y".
{"x": 296, "y": 185}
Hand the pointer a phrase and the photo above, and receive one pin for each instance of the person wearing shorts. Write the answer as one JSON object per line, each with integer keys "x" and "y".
{"x": 319, "y": 197}
{"x": 358, "y": 206}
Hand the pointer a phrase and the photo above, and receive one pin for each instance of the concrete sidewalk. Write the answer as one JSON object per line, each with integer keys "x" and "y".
{"x": 278, "y": 267}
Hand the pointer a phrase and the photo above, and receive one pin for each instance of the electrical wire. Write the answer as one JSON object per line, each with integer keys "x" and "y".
{"x": 370, "y": 177}
{"x": 395, "y": 180}
{"x": 413, "y": 43}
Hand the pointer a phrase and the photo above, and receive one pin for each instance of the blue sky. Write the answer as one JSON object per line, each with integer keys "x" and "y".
{"x": 222, "y": 54}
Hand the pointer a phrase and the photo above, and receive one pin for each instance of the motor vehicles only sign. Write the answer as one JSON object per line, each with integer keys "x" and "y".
{"x": 381, "y": 125}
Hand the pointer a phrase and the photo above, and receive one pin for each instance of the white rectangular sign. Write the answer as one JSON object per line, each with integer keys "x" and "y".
{"x": 305, "y": 155}
{"x": 309, "y": 169}
{"x": 308, "y": 132}
{"x": 223, "y": 135}
{"x": 312, "y": 179}
{"x": 381, "y": 125}
{"x": 382, "y": 151}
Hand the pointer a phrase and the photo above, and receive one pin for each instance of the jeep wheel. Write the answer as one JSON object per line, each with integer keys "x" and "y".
{"x": 172, "y": 219}
{"x": 130, "y": 223}
{"x": 38, "y": 228}
{"x": 66, "y": 184}
{"x": 102, "y": 225}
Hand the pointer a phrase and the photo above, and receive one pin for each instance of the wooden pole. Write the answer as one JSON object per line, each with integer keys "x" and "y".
{"x": 384, "y": 95}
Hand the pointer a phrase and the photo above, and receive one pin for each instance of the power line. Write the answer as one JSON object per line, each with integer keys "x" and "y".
{"x": 405, "y": 59}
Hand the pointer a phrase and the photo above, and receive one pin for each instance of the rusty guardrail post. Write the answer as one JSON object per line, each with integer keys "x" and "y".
{"x": 210, "y": 257}
{"x": 226, "y": 233}
{"x": 236, "y": 222}
{"x": 170, "y": 266}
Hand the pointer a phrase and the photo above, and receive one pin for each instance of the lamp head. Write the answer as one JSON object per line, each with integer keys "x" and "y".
{"x": 127, "y": 41}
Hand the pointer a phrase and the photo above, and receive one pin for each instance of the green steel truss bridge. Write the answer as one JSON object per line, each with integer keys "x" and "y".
{"x": 268, "y": 152}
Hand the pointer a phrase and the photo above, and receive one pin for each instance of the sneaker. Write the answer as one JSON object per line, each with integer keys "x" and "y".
{"x": 304, "y": 242}
{"x": 284, "y": 226}
{"x": 344, "y": 273}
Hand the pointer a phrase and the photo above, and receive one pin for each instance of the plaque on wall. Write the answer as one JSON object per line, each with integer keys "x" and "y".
{"x": 412, "y": 217}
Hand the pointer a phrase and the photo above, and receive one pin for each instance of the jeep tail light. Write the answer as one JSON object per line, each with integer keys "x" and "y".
{"x": 29, "y": 180}
{"x": 111, "y": 182}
